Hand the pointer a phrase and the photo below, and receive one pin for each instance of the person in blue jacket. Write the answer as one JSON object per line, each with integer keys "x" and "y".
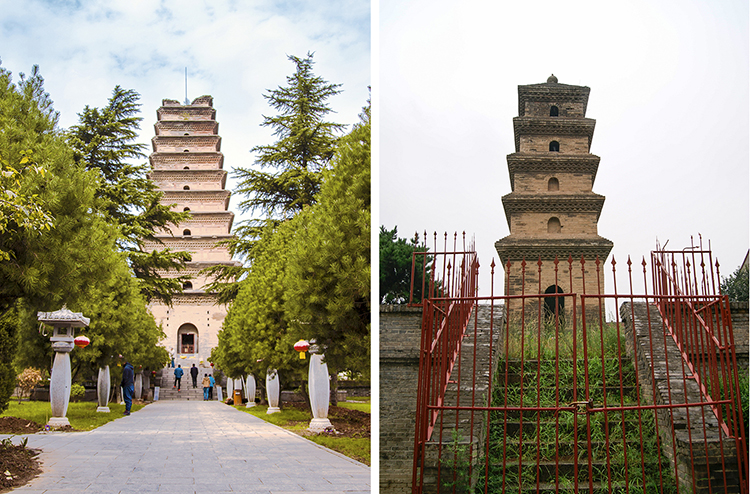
{"x": 212, "y": 382}
{"x": 128, "y": 382}
{"x": 178, "y": 377}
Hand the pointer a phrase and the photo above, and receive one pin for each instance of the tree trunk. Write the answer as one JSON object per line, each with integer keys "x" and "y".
{"x": 334, "y": 390}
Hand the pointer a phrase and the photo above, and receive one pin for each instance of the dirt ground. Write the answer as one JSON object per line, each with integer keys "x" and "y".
{"x": 346, "y": 422}
{"x": 18, "y": 464}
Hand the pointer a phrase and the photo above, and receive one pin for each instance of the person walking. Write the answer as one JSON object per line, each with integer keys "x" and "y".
{"x": 194, "y": 375}
{"x": 206, "y": 386}
{"x": 128, "y": 383}
{"x": 178, "y": 372}
{"x": 211, "y": 383}
{"x": 171, "y": 355}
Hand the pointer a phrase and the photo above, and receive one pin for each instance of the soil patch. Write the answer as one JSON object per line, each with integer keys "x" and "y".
{"x": 18, "y": 465}
{"x": 346, "y": 422}
{"x": 14, "y": 425}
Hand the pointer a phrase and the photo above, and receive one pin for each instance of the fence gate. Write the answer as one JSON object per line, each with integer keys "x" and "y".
{"x": 635, "y": 391}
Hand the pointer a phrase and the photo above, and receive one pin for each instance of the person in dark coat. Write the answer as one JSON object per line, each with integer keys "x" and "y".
{"x": 178, "y": 377}
{"x": 194, "y": 375}
{"x": 128, "y": 383}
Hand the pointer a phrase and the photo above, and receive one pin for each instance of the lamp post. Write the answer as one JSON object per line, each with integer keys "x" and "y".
{"x": 63, "y": 322}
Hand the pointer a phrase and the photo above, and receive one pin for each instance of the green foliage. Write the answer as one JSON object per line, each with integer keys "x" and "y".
{"x": 310, "y": 279}
{"x": 736, "y": 285}
{"x": 103, "y": 142}
{"x": 305, "y": 146}
{"x": 75, "y": 262}
{"x": 328, "y": 276}
{"x": 396, "y": 267}
{"x": 255, "y": 334}
{"x": 77, "y": 390}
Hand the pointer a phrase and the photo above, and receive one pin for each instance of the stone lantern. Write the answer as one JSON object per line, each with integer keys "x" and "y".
{"x": 320, "y": 389}
{"x": 63, "y": 322}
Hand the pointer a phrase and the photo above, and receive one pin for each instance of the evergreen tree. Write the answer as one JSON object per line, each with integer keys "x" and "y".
{"x": 103, "y": 141}
{"x": 255, "y": 335}
{"x": 327, "y": 296}
{"x": 74, "y": 261}
{"x": 396, "y": 258}
{"x": 736, "y": 285}
{"x": 306, "y": 144}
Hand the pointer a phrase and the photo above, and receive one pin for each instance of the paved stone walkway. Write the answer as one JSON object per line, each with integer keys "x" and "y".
{"x": 184, "y": 447}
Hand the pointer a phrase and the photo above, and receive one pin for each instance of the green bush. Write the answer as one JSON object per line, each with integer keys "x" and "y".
{"x": 76, "y": 391}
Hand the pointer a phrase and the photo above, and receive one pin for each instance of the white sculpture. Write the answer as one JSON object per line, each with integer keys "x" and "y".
{"x": 320, "y": 388}
{"x": 272, "y": 391}
{"x": 102, "y": 389}
{"x": 250, "y": 391}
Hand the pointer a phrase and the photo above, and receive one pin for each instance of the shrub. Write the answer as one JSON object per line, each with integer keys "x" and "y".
{"x": 27, "y": 380}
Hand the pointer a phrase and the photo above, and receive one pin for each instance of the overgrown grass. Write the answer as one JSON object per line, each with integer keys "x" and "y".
{"x": 82, "y": 415}
{"x": 621, "y": 444}
{"x": 297, "y": 421}
{"x": 549, "y": 340}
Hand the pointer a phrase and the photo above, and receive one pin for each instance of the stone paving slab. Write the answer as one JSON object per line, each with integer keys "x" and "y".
{"x": 184, "y": 447}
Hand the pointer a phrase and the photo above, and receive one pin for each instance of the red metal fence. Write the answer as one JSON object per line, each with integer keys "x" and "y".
{"x": 517, "y": 395}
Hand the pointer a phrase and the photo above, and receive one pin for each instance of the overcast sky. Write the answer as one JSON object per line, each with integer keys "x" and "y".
{"x": 233, "y": 50}
{"x": 669, "y": 93}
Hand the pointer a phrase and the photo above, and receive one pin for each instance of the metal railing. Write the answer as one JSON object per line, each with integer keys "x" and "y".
{"x": 547, "y": 392}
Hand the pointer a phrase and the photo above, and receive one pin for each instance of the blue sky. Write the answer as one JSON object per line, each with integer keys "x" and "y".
{"x": 233, "y": 50}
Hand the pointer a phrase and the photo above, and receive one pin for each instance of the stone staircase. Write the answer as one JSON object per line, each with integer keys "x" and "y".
{"x": 165, "y": 380}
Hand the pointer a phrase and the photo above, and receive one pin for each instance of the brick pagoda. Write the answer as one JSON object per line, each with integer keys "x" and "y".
{"x": 187, "y": 165}
{"x": 552, "y": 210}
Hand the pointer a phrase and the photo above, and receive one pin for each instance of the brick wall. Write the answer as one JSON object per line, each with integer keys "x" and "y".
{"x": 740, "y": 329}
{"x": 565, "y": 108}
{"x": 568, "y": 144}
{"x": 574, "y": 225}
{"x": 400, "y": 329}
{"x": 570, "y": 183}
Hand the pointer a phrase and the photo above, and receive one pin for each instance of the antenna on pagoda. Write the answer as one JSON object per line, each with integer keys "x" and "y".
{"x": 187, "y": 101}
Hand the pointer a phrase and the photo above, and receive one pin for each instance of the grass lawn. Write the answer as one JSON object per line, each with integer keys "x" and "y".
{"x": 297, "y": 421}
{"x": 360, "y": 405}
{"x": 82, "y": 415}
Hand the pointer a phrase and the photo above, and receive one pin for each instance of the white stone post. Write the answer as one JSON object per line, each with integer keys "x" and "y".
{"x": 320, "y": 387}
{"x": 138, "y": 386}
{"x": 250, "y": 391}
{"x": 59, "y": 387}
{"x": 230, "y": 387}
{"x": 273, "y": 391}
{"x": 102, "y": 389}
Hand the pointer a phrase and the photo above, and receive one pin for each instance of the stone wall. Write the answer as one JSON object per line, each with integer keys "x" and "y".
{"x": 690, "y": 436}
{"x": 400, "y": 329}
{"x": 740, "y": 329}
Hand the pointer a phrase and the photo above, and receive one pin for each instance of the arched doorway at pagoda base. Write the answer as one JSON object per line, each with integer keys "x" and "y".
{"x": 187, "y": 339}
{"x": 554, "y": 305}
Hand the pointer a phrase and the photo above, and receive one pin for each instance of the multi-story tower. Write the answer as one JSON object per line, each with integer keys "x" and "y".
{"x": 187, "y": 166}
{"x": 552, "y": 210}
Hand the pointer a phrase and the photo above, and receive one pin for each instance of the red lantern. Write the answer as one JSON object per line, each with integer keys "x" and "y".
{"x": 301, "y": 346}
{"x": 212, "y": 364}
{"x": 81, "y": 341}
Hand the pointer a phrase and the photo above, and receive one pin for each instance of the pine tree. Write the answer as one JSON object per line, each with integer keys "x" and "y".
{"x": 73, "y": 262}
{"x": 305, "y": 146}
{"x": 103, "y": 141}
{"x": 327, "y": 295}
